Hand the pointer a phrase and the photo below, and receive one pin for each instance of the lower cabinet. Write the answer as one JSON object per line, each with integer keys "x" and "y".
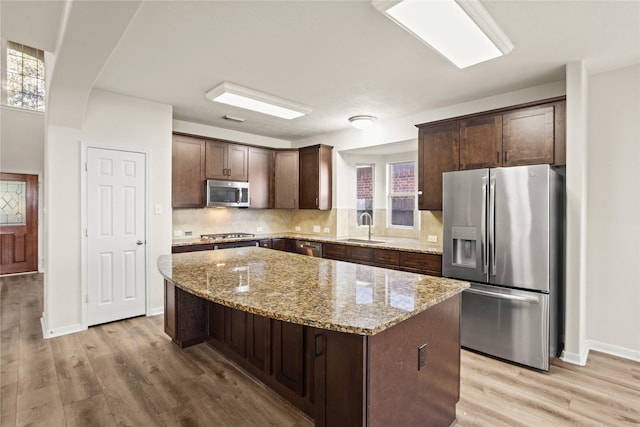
{"x": 184, "y": 316}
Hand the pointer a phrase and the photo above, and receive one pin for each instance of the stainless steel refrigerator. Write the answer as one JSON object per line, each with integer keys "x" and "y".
{"x": 504, "y": 233}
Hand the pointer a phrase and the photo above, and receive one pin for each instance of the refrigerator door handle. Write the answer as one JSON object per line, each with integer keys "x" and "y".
{"x": 502, "y": 296}
{"x": 492, "y": 224}
{"x": 483, "y": 228}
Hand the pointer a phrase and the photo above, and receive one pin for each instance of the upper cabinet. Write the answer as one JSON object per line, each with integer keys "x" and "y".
{"x": 285, "y": 179}
{"x": 260, "y": 177}
{"x": 226, "y": 161}
{"x": 188, "y": 166}
{"x": 315, "y": 177}
{"x": 438, "y": 151}
{"x": 516, "y": 136}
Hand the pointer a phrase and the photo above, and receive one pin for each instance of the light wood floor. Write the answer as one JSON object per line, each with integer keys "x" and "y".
{"x": 129, "y": 373}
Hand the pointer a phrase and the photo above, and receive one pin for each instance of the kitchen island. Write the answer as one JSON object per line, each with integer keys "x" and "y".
{"x": 348, "y": 344}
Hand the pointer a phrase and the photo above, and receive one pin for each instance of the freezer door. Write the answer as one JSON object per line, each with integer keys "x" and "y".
{"x": 464, "y": 207}
{"x": 519, "y": 227}
{"x": 506, "y": 323}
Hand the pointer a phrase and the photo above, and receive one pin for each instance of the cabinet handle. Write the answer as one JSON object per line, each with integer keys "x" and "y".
{"x": 505, "y": 156}
{"x": 497, "y": 157}
{"x": 316, "y": 201}
{"x": 317, "y": 353}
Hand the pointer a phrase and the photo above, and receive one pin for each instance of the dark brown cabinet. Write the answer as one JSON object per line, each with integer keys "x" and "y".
{"x": 288, "y": 355}
{"x": 285, "y": 245}
{"x": 226, "y": 161}
{"x": 188, "y": 172}
{"x": 523, "y": 135}
{"x": 184, "y": 316}
{"x": 438, "y": 152}
{"x": 285, "y": 179}
{"x": 265, "y": 243}
{"x": 259, "y": 342}
{"x": 421, "y": 263}
{"x": 192, "y": 248}
{"x": 315, "y": 177}
{"x": 357, "y": 254}
{"x": 387, "y": 258}
{"x": 528, "y": 137}
{"x": 481, "y": 142}
{"x": 260, "y": 177}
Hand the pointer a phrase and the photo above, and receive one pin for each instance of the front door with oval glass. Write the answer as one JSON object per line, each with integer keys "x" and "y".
{"x": 18, "y": 223}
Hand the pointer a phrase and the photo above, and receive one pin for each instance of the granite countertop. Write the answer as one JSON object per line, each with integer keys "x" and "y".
{"x": 392, "y": 243}
{"x": 321, "y": 293}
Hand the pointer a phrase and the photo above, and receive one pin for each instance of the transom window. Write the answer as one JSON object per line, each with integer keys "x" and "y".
{"x": 402, "y": 194}
{"x": 25, "y": 77}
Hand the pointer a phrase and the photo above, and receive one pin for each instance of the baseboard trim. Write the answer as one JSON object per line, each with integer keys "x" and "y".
{"x": 156, "y": 311}
{"x": 574, "y": 358}
{"x": 614, "y": 350}
{"x": 52, "y": 333}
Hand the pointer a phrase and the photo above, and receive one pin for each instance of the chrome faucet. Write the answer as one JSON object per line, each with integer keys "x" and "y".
{"x": 370, "y": 221}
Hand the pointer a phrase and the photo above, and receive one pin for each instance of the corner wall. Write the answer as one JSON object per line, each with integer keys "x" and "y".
{"x": 613, "y": 227}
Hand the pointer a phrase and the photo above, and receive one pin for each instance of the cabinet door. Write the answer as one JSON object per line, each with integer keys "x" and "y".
{"x": 421, "y": 263}
{"x": 285, "y": 180}
{"x": 528, "y": 136}
{"x": 216, "y": 160}
{"x": 237, "y": 162}
{"x": 438, "y": 152}
{"x": 216, "y": 321}
{"x": 315, "y": 177}
{"x": 288, "y": 355}
{"x": 187, "y": 167}
{"x": 481, "y": 142}
{"x": 235, "y": 330}
{"x": 259, "y": 342}
{"x": 259, "y": 178}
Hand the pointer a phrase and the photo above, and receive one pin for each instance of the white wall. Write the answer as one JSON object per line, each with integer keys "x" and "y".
{"x": 111, "y": 120}
{"x": 613, "y": 225}
{"x": 21, "y": 140}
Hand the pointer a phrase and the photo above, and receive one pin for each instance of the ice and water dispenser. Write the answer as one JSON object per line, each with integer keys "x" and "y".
{"x": 465, "y": 244}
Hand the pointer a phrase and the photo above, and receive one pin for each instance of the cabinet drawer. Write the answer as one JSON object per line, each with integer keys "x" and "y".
{"x": 265, "y": 243}
{"x": 421, "y": 263}
{"x": 385, "y": 257}
{"x": 192, "y": 248}
{"x": 338, "y": 252}
{"x": 359, "y": 254}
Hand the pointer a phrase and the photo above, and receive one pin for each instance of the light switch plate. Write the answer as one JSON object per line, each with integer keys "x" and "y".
{"x": 432, "y": 238}
{"x": 177, "y": 233}
{"x": 297, "y": 228}
{"x": 316, "y": 228}
{"x": 259, "y": 229}
{"x": 326, "y": 230}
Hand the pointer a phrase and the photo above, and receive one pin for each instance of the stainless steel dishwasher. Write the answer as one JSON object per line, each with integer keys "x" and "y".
{"x": 309, "y": 248}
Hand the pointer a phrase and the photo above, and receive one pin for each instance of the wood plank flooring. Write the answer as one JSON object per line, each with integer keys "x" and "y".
{"x": 129, "y": 373}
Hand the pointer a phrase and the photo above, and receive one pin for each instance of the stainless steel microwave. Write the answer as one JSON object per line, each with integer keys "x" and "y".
{"x": 227, "y": 193}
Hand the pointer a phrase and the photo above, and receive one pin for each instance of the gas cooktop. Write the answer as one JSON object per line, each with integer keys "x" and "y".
{"x": 221, "y": 236}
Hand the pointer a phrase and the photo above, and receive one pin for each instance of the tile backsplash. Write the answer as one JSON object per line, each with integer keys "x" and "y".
{"x": 336, "y": 222}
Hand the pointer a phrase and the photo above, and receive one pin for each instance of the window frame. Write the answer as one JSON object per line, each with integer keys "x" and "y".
{"x": 4, "y": 77}
{"x": 373, "y": 193}
{"x": 413, "y": 194}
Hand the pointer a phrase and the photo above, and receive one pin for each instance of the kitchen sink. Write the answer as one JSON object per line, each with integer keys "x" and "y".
{"x": 365, "y": 241}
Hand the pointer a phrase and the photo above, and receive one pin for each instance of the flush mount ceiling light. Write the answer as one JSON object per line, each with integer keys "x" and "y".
{"x": 460, "y": 30}
{"x": 362, "y": 122}
{"x": 249, "y": 99}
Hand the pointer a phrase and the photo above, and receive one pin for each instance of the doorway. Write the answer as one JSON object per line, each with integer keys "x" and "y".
{"x": 116, "y": 235}
{"x": 18, "y": 223}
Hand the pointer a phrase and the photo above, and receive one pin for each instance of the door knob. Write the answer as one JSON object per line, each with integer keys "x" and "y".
{"x": 139, "y": 242}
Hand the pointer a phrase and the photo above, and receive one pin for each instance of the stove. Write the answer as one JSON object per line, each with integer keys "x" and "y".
{"x": 222, "y": 236}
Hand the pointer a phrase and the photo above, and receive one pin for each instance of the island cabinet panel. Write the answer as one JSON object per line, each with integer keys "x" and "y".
{"x": 235, "y": 331}
{"x": 259, "y": 342}
{"x": 421, "y": 263}
{"x": 187, "y": 172}
{"x": 481, "y": 142}
{"x": 288, "y": 355}
{"x": 216, "y": 314}
{"x": 185, "y": 316}
{"x": 340, "y": 379}
{"x": 394, "y": 370}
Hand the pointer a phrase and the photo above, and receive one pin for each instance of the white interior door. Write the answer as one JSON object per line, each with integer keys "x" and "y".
{"x": 115, "y": 235}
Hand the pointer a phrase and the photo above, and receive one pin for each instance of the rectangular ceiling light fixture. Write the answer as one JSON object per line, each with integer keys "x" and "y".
{"x": 460, "y": 30}
{"x": 249, "y": 99}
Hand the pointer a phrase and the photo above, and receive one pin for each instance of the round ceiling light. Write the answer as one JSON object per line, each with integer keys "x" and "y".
{"x": 362, "y": 122}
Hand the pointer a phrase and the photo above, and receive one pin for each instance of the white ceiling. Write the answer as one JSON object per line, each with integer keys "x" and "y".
{"x": 344, "y": 58}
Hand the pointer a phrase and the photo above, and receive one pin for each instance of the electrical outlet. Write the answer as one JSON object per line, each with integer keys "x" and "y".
{"x": 422, "y": 356}
{"x": 432, "y": 238}
{"x": 177, "y": 233}
{"x": 316, "y": 228}
{"x": 326, "y": 230}
{"x": 259, "y": 229}
{"x": 297, "y": 228}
